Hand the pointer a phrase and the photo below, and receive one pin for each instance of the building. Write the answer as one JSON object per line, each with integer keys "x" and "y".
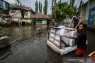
{"x": 4, "y": 11}
{"x": 21, "y": 14}
{"x": 88, "y": 13}
{"x": 4, "y": 7}
{"x": 40, "y": 18}
{"x": 12, "y": 11}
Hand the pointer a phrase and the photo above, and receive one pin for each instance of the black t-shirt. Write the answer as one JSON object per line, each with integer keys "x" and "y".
{"x": 75, "y": 19}
{"x": 81, "y": 40}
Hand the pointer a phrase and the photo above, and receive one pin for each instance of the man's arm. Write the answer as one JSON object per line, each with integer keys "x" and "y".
{"x": 70, "y": 29}
{"x": 72, "y": 37}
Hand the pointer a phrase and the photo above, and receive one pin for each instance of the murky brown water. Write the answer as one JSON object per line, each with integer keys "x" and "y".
{"x": 29, "y": 46}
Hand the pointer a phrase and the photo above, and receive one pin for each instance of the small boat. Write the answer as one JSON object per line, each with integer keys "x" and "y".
{"x": 59, "y": 44}
{"x": 4, "y": 41}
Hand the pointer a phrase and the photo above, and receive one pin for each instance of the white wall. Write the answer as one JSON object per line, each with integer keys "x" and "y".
{"x": 11, "y": 1}
{"x": 17, "y": 16}
{"x": 17, "y": 13}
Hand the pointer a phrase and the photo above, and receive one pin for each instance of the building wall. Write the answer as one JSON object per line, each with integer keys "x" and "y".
{"x": 85, "y": 9}
{"x": 91, "y": 17}
{"x": 18, "y": 18}
{"x": 28, "y": 14}
{"x": 85, "y": 12}
{"x": 15, "y": 13}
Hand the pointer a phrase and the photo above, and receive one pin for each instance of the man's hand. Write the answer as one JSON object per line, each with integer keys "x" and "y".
{"x": 71, "y": 29}
{"x": 72, "y": 37}
{"x": 64, "y": 36}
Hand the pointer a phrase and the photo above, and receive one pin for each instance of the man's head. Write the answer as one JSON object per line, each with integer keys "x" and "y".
{"x": 81, "y": 27}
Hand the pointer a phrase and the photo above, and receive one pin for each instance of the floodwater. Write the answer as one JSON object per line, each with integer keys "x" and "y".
{"x": 28, "y": 45}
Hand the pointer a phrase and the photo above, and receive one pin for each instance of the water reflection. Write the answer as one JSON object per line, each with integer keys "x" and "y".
{"x": 28, "y": 45}
{"x": 5, "y": 52}
{"x": 53, "y": 57}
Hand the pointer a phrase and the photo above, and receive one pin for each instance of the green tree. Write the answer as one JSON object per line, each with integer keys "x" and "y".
{"x": 80, "y": 6}
{"x": 36, "y": 6}
{"x": 61, "y": 10}
{"x": 54, "y": 2}
{"x": 72, "y": 2}
{"x": 45, "y": 7}
{"x": 40, "y": 7}
{"x": 60, "y": 1}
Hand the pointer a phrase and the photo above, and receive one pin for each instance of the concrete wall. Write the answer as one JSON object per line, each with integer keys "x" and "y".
{"x": 85, "y": 9}
{"x": 18, "y": 18}
{"x": 85, "y": 12}
{"x": 28, "y": 14}
{"x": 15, "y": 15}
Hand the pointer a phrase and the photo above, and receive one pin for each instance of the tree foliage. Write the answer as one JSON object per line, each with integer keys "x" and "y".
{"x": 36, "y": 6}
{"x": 45, "y": 7}
{"x": 40, "y": 7}
{"x": 80, "y": 6}
{"x": 72, "y": 2}
{"x": 61, "y": 10}
{"x": 60, "y": 1}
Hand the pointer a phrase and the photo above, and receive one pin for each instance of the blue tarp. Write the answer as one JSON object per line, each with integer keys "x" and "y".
{"x": 91, "y": 16}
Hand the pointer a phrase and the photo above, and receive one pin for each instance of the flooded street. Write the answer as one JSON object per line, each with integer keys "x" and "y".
{"x": 29, "y": 46}
{"x": 26, "y": 46}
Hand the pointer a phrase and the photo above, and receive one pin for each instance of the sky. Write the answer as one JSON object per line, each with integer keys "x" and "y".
{"x": 10, "y": 1}
{"x": 31, "y": 3}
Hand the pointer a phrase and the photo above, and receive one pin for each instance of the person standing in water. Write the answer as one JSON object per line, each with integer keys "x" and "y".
{"x": 76, "y": 20}
{"x": 80, "y": 40}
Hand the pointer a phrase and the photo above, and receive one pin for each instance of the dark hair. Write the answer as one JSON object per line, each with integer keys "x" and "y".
{"x": 84, "y": 25}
